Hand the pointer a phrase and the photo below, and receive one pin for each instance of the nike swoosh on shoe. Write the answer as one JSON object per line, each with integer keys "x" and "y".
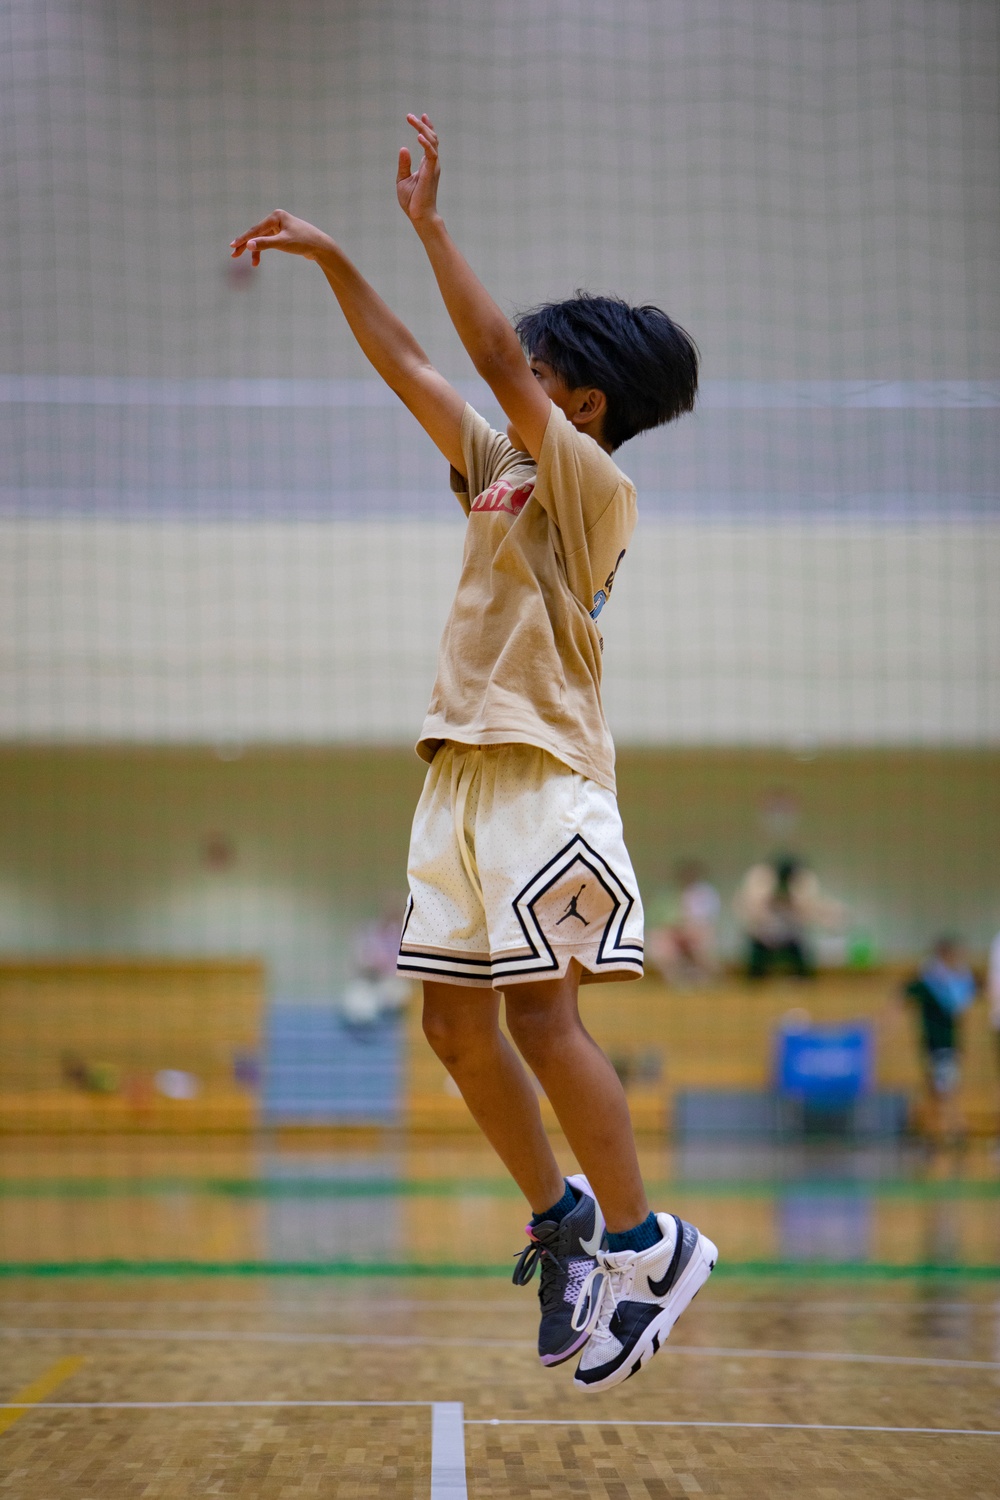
{"x": 666, "y": 1281}
{"x": 590, "y": 1247}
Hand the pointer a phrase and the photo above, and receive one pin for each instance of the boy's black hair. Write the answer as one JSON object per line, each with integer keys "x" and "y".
{"x": 644, "y": 362}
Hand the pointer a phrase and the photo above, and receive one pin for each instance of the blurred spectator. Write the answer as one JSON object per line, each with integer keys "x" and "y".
{"x": 682, "y": 943}
{"x": 941, "y": 992}
{"x": 993, "y": 993}
{"x": 376, "y": 989}
{"x": 778, "y": 904}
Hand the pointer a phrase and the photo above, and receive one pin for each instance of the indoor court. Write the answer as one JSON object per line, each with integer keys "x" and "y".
{"x": 252, "y": 1242}
{"x": 193, "y": 1313}
{"x": 878, "y": 1376}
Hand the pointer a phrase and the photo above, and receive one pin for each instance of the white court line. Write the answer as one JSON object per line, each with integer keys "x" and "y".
{"x": 447, "y": 1428}
{"x": 742, "y": 1426}
{"x": 934, "y": 1362}
{"x": 416, "y": 1340}
{"x": 310, "y": 1308}
{"x": 193, "y": 1405}
{"x": 448, "y": 1425}
{"x": 251, "y": 1336}
{"x": 448, "y": 1451}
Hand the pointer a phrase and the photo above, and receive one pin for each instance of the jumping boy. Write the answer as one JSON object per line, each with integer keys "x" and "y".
{"x": 520, "y": 882}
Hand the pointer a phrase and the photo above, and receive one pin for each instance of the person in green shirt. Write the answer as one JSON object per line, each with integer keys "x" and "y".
{"x": 940, "y": 994}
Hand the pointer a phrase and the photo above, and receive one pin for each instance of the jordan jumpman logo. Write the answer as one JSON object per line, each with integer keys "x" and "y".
{"x": 572, "y": 911}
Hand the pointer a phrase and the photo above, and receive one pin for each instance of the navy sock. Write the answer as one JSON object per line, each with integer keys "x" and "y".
{"x": 558, "y": 1210}
{"x": 642, "y": 1237}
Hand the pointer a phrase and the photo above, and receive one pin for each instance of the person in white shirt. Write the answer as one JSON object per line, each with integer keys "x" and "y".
{"x": 778, "y": 904}
{"x": 683, "y": 944}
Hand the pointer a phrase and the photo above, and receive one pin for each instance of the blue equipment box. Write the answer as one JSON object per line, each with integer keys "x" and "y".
{"x": 829, "y": 1067}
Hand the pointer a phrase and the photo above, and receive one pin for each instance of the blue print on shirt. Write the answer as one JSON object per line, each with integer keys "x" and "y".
{"x": 601, "y": 597}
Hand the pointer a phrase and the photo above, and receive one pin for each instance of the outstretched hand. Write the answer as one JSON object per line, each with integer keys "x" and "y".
{"x": 417, "y": 190}
{"x": 281, "y": 231}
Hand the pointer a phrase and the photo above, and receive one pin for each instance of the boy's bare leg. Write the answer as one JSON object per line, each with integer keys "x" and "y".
{"x": 462, "y": 1025}
{"x": 583, "y": 1089}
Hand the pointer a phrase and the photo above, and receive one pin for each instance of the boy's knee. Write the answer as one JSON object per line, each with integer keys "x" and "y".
{"x": 538, "y": 1029}
{"x": 453, "y": 1037}
{"x": 439, "y": 1030}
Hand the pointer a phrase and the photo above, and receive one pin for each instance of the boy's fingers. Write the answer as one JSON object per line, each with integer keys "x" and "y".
{"x": 405, "y": 168}
{"x": 420, "y": 124}
{"x": 266, "y": 226}
{"x": 265, "y": 242}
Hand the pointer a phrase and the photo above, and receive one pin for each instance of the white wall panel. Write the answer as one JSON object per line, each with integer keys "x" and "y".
{"x": 781, "y": 633}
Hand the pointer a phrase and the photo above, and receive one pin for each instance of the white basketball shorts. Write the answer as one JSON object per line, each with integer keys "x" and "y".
{"x": 517, "y": 865}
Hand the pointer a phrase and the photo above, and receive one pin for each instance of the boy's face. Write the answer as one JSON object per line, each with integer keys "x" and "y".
{"x": 574, "y": 402}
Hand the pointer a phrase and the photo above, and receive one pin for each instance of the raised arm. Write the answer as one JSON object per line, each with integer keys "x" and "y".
{"x": 488, "y": 337}
{"x": 385, "y": 340}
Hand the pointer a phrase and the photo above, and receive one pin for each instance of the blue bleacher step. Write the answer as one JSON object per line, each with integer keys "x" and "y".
{"x": 760, "y": 1113}
{"x": 319, "y": 1070}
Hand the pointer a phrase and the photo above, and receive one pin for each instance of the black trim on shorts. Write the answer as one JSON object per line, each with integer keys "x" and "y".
{"x": 613, "y": 951}
{"x": 434, "y": 963}
{"x": 417, "y": 962}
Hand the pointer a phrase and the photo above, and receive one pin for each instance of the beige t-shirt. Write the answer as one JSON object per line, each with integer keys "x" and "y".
{"x": 520, "y": 658}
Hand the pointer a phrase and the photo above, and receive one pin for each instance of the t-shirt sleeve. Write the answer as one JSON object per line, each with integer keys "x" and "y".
{"x": 592, "y": 505}
{"x": 487, "y": 455}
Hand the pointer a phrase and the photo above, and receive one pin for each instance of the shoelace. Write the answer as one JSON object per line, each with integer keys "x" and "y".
{"x": 527, "y": 1260}
{"x": 553, "y": 1278}
{"x": 600, "y": 1294}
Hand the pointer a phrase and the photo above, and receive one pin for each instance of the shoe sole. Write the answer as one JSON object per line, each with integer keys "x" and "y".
{"x": 551, "y": 1360}
{"x": 697, "y": 1271}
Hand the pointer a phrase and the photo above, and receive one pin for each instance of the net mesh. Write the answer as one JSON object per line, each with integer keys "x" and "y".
{"x": 227, "y": 552}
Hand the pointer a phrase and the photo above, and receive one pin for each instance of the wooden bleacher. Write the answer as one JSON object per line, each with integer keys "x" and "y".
{"x": 129, "y": 1018}
{"x": 721, "y": 1038}
{"x": 116, "y": 1023}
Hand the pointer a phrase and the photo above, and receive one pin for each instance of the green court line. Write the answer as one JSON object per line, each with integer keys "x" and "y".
{"x": 249, "y": 1187}
{"x": 798, "y": 1270}
{"x": 480, "y": 1187}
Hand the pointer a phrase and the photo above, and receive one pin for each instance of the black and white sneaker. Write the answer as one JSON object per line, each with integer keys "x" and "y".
{"x": 565, "y": 1252}
{"x": 632, "y": 1299}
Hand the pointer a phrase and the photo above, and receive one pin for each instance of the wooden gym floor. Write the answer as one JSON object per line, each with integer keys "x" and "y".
{"x": 774, "y": 1388}
{"x": 874, "y": 1370}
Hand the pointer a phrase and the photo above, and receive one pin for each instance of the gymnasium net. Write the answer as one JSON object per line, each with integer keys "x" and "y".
{"x": 227, "y": 552}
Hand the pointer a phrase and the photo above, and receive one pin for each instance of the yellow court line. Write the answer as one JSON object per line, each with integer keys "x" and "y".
{"x": 26, "y": 1398}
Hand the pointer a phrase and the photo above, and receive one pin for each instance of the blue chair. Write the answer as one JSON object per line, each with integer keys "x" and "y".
{"x": 827, "y": 1070}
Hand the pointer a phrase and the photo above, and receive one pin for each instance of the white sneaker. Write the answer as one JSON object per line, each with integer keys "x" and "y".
{"x": 632, "y": 1299}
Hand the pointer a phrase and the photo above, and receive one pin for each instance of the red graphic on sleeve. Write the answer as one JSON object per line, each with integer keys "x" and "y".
{"x": 503, "y": 496}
